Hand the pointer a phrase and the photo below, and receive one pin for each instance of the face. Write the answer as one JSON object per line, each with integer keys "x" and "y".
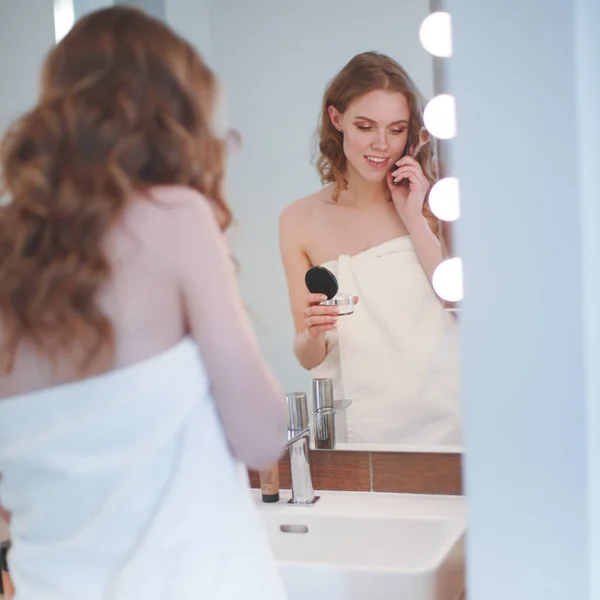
{"x": 375, "y": 127}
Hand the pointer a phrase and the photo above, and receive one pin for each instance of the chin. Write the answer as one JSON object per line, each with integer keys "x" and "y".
{"x": 374, "y": 177}
{"x": 367, "y": 174}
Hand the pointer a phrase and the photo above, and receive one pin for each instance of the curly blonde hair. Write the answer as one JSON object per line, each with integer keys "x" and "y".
{"x": 125, "y": 104}
{"x": 364, "y": 73}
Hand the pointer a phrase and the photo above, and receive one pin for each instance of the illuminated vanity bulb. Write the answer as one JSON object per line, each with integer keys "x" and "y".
{"x": 444, "y": 199}
{"x": 448, "y": 280}
{"x": 436, "y": 34}
{"x": 440, "y": 116}
{"x": 64, "y": 18}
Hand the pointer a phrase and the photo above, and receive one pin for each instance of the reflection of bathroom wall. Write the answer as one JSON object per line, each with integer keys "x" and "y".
{"x": 191, "y": 19}
{"x": 26, "y": 34}
{"x": 82, "y": 7}
{"x": 275, "y": 59}
{"x": 156, "y": 8}
{"x": 359, "y": 471}
{"x": 153, "y": 7}
{"x": 20, "y": 62}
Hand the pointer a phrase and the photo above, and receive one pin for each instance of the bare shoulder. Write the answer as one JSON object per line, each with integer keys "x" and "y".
{"x": 163, "y": 223}
{"x": 299, "y": 213}
{"x": 170, "y": 211}
{"x": 178, "y": 202}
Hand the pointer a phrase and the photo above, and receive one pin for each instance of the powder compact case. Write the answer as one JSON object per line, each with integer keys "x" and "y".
{"x": 320, "y": 280}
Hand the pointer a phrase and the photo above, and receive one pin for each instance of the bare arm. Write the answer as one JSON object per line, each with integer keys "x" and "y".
{"x": 408, "y": 200}
{"x": 249, "y": 400}
{"x": 427, "y": 245}
{"x": 311, "y": 321}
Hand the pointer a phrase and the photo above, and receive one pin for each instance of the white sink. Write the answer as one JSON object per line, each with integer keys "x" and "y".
{"x": 362, "y": 546}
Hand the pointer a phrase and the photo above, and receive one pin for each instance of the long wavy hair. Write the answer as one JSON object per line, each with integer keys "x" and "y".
{"x": 125, "y": 104}
{"x": 365, "y": 73}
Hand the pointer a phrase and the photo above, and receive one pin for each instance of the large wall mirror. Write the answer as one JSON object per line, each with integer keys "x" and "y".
{"x": 330, "y": 100}
{"x": 396, "y": 356}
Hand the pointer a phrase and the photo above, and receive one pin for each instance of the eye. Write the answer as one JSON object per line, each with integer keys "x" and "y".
{"x": 364, "y": 127}
{"x": 398, "y": 131}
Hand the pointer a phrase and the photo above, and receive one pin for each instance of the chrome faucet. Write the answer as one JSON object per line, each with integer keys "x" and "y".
{"x": 303, "y": 493}
{"x": 323, "y": 414}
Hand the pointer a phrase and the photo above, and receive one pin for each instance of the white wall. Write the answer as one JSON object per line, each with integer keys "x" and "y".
{"x": 156, "y": 8}
{"x": 20, "y": 66}
{"x": 191, "y": 19}
{"x": 521, "y": 159}
{"x": 275, "y": 59}
{"x": 587, "y": 52}
{"x": 26, "y": 34}
{"x": 82, "y": 7}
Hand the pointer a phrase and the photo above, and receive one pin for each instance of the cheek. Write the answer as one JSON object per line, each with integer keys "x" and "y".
{"x": 354, "y": 144}
{"x": 398, "y": 144}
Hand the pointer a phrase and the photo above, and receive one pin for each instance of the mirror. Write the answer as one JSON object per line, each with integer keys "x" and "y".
{"x": 396, "y": 356}
{"x": 327, "y": 97}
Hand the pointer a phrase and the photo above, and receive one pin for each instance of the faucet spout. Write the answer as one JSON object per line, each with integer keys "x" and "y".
{"x": 303, "y": 493}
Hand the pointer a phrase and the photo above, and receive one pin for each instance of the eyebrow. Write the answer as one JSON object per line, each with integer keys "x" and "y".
{"x": 394, "y": 123}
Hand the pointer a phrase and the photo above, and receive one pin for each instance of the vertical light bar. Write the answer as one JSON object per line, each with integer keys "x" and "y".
{"x": 64, "y": 18}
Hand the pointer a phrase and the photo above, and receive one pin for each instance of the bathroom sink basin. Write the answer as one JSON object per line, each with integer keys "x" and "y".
{"x": 359, "y": 546}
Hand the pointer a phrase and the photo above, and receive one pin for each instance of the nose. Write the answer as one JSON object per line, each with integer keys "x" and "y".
{"x": 380, "y": 141}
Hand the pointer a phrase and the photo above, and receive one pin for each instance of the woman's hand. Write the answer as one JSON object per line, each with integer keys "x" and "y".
{"x": 408, "y": 199}
{"x": 319, "y": 319}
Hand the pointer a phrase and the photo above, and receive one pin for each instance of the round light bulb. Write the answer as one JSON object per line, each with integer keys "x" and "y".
{"x": 64, "y": 18}
{"x": 436, "y": 34}
{"x": 444, "y": 199}
{"x": 440, "y": 116}
{"x": 448, "y": 280}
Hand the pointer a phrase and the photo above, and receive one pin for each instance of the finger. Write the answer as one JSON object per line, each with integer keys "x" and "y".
{"x": 407, "y": 174}
{"x": 414, "y": 165}
{"x": 413, "y": 175}
{"x": 409, "y": 169}
{"x": 315, "y": 298}
{"x": 392, "y": 184}
{"x": 318, "y": 320}
{"x": 408, "y": 160}
{"x": 317, "y": 309}
{"x": 321, "y": 328}
{"x": 355, "y": 299}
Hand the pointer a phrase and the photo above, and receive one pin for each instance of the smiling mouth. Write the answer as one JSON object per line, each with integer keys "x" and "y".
{"x": 377, "y": 162}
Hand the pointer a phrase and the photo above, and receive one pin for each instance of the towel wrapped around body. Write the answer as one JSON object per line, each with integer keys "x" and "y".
{"x": 397, "y": 356}
{"x": 123, "y": 487}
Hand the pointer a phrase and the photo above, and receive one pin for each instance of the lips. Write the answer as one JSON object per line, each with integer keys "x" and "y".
{"x": 377, "y": 162}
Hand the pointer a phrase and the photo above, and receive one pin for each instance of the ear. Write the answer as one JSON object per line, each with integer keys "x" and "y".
{"x": 335, "y": 116}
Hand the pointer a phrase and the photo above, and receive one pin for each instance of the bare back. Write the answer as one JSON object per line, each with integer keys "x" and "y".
{"x": 172, "y": 276}
{"x": 142, "y": 298}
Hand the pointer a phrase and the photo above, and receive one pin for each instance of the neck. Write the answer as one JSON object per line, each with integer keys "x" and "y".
{"x": 362, "y": 193}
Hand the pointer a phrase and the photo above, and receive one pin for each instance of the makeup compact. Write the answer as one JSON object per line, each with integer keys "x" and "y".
{"x": 320, "y": 280}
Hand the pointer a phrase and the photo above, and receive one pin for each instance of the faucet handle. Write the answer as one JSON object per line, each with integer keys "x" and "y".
{"x": 322, "y": 391}
{"x": 297, "y": 411}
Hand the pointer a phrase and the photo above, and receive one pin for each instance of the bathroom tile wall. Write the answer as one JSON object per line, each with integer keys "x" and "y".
{"x": 413, "y": 473}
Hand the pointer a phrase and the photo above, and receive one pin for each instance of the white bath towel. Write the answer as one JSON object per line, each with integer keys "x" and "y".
{"x": 123, "y": 487}
{"x": 397, "y": 356}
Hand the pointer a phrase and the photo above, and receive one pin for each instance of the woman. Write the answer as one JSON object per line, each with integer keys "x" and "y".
{"x": 131, "y": 386}
{"x": 396, "y": 356}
